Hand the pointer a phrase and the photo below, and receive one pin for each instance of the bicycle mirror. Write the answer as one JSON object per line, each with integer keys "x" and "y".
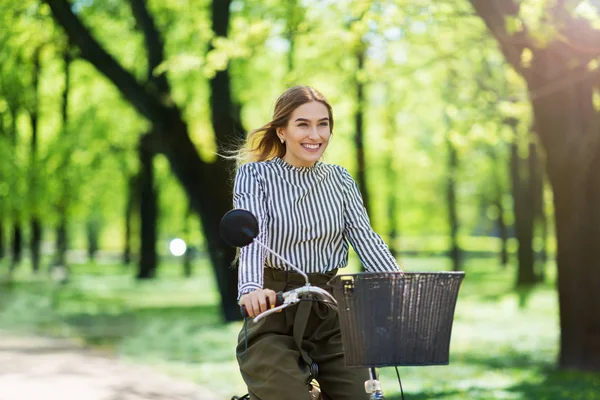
{"x": 239, "y": 227}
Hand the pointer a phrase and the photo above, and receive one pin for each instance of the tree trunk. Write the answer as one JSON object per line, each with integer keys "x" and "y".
{"x": 561, "y": 89}
{"x": 455, "y": 253}
{"x": 35, "y": 242}
{"x": 537, "y": 199}
{"x": 3, "y": 135}
{"x": 61, "y": 243}
{"x": 497, "y": 201}
{"x": 62, "y": 230}
{"x": 543, "y": 254}
{"x": 92, "y": 229}
{"x": 291, "y": 30}
{"x": 576, "y": 198}
{"x": 148, "y": 211}
{"x": 132, "y": 200}
{"x": 359, "y": 142}
{"x": 16, "y": 245}
{"x": 392, "y": 214}
{"x": 189, "y": 252}
{"x": 17, "y": 237}
{"x": 502, "y": 229}
{"x": 568, "y": 127}
{"x": 392, "y": 176}
{"x": 524, "y": 218}
{"x": 2, "y": 243}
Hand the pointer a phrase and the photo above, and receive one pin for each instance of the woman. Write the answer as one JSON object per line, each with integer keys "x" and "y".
{"x": 307, "y": 212}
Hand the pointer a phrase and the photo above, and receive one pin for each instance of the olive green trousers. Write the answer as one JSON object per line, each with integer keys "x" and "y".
{"x": 268, "y": 352}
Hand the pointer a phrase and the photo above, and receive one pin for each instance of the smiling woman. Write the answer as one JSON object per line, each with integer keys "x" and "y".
{"x": 309, "y": 212}
{"x": 298, "y": 111}
{"x": 306, "y": 135}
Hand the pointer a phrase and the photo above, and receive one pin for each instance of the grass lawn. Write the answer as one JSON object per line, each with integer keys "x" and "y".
{"x": 504, "y": 344}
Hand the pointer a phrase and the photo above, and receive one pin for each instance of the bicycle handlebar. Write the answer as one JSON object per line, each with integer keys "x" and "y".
{"x": 278, "y": 301}
{"x": 293, "y": 296}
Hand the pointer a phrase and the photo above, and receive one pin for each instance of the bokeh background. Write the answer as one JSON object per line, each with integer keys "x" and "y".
{"x": 472, "y": 128}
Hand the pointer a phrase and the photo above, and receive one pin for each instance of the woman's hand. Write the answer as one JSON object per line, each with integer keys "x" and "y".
{"x": 256, "y": 301}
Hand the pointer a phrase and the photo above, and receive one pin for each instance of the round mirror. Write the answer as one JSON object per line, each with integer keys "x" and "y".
{"x": 239, "y": 227}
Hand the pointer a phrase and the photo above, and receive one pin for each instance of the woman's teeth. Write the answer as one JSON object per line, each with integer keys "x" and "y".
{"x": 311, "y": 146}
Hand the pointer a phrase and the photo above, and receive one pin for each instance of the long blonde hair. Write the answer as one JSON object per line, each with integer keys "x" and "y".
{"x": 263, "y": 143}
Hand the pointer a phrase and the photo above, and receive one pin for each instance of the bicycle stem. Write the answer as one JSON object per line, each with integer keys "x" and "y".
{"x": 283, "y": 259}
{"x": 373, "y": 386}
{"x": 372, "y": 373}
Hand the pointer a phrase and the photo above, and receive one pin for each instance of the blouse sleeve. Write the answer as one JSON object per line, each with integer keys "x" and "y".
{"x": 372, "y": 251}
{"x": 248, "y": 194}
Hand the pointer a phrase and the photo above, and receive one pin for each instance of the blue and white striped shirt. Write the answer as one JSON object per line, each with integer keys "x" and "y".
{"x": 307, "y": 215}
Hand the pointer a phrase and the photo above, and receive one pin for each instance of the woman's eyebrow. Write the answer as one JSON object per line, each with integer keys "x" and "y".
{"x": 307, "y": 120}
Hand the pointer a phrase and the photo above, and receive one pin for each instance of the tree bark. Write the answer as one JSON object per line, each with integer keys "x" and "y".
{"x": 576, "y": 197}
{"x": 148, "y": 261}
{"x": 16, "y": 234}
{"x": 92, "y": 229}
{"x": 392, "y": 208}
{"x": 568, "y": 127}
{"x": 189, "y": 253}
{"x": 35, "y": 242}
{"x": 543, "y": 253}
{"x": 2, "y": 240}
{"x": 501, "y": 224}
{"x": 203, "y": 182}
{"x": 537, "y": 190}
{"x": 562, "y": 93}
{"x": 452, "y": 170}
{"x": 392, "y": 176}
{"x": 455, "y": 253}
{"x": 16, "y": 245}
{"x": 524, "y": 217}
{"x": 62, "y": 229}
{"x": 130, "y": 207}
{"x": 3, "y": 137}
{"x": 497, "y": 202}
{"x": 291, "y": 29}
{"x": 359, "y": 141}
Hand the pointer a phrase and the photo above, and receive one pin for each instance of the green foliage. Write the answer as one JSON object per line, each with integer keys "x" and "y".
{"x": 431, "y": 72}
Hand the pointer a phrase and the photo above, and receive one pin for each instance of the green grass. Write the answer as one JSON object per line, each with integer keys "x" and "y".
{"x": 504, "y": 344}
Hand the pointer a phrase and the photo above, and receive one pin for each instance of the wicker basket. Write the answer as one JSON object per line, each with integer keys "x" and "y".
{"x": 394, "y": 319}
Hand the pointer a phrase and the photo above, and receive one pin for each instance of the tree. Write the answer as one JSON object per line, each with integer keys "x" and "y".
{"x": 35, "y": 226}
{"x": 524, "y": 180}
{"x": 62, "y": 205}
{"x": 451, "y": 181}
{"x": 148, "y": 204}
{"x": 557, "y": 60}
{"x": 202, "y": 181}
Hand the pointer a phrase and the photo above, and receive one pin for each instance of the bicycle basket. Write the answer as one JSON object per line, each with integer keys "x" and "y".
{"x": 395, "y": 319}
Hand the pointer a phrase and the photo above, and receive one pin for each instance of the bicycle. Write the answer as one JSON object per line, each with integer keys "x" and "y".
{"x": 239, "y": 228}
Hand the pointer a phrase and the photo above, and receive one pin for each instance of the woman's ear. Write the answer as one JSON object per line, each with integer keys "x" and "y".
{"x": 279, "y": 132}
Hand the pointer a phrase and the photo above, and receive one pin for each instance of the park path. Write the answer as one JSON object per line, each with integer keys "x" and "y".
{"x": 33, "y": 368}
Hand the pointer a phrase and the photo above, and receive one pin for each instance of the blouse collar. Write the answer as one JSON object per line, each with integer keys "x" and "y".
{"x": 285, "y": 164}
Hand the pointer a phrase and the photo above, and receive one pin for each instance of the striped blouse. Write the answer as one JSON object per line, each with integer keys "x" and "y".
{"x": 307, "y": 215}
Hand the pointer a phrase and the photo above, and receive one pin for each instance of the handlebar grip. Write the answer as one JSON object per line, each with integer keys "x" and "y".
{"x": 278, "y": 301}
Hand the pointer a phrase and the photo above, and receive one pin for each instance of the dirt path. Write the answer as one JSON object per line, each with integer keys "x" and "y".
{"x": 34, "y": 368}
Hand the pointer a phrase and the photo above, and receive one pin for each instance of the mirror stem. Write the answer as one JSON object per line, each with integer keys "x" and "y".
{"x": 283, "y": 259}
